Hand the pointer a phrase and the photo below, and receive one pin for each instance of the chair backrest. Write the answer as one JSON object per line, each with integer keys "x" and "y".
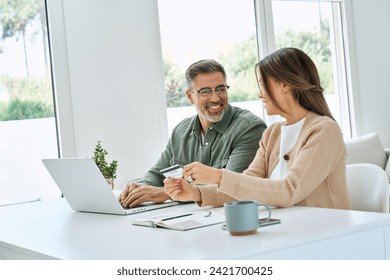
{"x": 368, "y": 187}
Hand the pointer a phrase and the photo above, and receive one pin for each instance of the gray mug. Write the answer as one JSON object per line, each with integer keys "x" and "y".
{"x": 242, "y": 217}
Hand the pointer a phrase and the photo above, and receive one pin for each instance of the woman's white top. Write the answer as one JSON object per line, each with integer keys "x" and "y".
{"x": 288, "y": 138}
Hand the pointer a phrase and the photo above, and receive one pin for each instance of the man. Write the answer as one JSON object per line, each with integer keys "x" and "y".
{"x": 220, "y": 135}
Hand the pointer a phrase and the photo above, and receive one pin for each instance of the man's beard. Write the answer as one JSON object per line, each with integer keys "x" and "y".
{"x": 214, "y": 117}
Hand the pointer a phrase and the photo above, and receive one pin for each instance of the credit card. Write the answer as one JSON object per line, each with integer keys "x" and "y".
{"x": 175, "y": 171}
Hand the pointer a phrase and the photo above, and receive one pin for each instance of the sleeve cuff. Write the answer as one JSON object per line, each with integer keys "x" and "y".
{"x": 211, "y": 196}
{"x": 230, "y": 182}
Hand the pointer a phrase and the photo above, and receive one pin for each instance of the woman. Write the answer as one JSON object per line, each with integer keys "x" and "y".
{"x": 300, "y": 161}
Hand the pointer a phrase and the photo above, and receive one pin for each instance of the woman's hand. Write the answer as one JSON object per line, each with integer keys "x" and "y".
{"x": 202, "y": 174}
{"x": 180, "y": 190}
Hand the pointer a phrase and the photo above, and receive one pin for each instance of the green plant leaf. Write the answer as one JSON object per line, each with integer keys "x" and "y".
{"x": 99, "y": 156}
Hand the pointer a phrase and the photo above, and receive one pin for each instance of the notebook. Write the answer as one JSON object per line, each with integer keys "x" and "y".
{"x": 182, "y": 220}
{"x": 86, "y": 190}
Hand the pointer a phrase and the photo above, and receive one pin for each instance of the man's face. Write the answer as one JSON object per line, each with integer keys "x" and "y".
{"x": 210, "y": 108}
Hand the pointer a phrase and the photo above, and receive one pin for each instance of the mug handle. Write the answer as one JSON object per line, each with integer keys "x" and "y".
{"x": 269, "y": 212}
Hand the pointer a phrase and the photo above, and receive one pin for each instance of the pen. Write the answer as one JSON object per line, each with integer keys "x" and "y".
{"x": 175, "y": 217}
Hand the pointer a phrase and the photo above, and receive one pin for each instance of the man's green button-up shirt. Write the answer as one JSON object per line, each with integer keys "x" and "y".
{"x": 230, "y": 143}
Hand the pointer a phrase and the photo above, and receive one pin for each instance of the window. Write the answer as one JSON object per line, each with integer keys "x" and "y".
{"x": 238, "y": 33}
{"x": 224, "y": 30}
{"x": 315, "y": 27}
{"x": 27, "y": 123}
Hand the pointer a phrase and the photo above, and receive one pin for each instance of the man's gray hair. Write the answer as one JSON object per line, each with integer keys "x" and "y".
{"x": 202, "y": 67}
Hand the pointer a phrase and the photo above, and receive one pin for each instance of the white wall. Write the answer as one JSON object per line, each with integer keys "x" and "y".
{"x": 109, "y": 80}
{"x": 369, "y": 22}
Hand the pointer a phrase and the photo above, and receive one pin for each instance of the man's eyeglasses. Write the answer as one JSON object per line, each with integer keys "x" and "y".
{"x": 219, "y": 90}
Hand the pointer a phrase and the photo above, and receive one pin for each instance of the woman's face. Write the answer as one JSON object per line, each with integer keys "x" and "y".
{"x": 278, "y": 93}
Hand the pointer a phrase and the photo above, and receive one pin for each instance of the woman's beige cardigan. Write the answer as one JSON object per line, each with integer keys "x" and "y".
{"x": 316, "y": 170}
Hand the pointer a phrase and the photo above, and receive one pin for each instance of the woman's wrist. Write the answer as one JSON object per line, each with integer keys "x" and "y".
{"x": 219, "y": 176}
{"x": 197, "y": 195}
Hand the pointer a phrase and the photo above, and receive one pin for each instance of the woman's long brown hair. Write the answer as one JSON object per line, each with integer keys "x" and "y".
{"x": 294, "y": 68}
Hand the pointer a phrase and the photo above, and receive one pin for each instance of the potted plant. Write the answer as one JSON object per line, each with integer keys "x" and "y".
{"x": 108, "y": 169}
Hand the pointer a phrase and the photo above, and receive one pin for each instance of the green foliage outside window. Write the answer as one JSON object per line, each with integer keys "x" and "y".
{"x": 26, "y": 97}
{"x": 29, "y": 98}
{"x": 25, "y": 109}
{"x": 32, "y": 98}
{"x": 317, "y": 46}
{"x": 240, "y": 61}
{"x": 239, "y": 64}
{"x": 175, "y": 86}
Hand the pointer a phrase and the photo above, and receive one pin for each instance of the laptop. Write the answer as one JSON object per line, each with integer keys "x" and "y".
{"x": 86, "y": 189}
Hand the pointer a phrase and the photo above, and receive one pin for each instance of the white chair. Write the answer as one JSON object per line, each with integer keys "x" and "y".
{"x": 368, "y": 187}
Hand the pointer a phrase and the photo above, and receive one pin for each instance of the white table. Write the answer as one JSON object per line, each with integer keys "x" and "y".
{"x": 52, "y": 230}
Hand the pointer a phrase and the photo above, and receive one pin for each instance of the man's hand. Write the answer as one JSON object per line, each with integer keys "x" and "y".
{"x": 134, "y": 194}
{"x": 202, "y": 174}
{"x": 180, "y": 190}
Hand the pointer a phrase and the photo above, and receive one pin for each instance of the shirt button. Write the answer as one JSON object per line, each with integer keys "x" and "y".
{"x": 286, "y": 157}
{"x": 206, "y": 143}
{"x": 211, "y": 128}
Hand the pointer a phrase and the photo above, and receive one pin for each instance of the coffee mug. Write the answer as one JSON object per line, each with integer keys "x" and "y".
{"x": 242, "y": 217}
